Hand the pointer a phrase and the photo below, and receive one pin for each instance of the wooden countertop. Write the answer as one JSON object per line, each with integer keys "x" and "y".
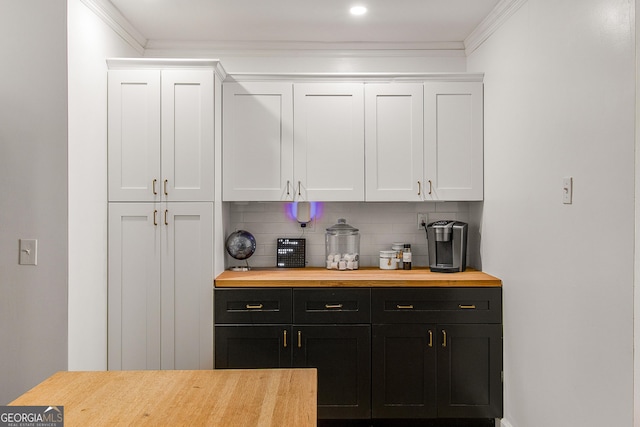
{"x": 364, "y": 277}
{"x": 234, "y": 397}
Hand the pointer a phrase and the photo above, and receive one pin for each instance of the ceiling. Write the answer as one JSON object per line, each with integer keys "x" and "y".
{"x": 262, "y": 22}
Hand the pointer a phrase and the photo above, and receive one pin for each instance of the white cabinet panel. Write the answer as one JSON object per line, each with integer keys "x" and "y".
{"x": 454, "y": 140}
{"x": 160, "y": 135}
{"x": 329, "y": 141}
{"x": 187, "y": 135}
{"x": 394, "y": 141}
{"x": 134, "y": 291}
{"x": 160, "y": 286}
{"x": 187, "y": 286}
{"x": 133, "y": 134}
{"x": 257, "y": 141}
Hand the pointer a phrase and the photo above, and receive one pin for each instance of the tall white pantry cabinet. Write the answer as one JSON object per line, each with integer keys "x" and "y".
{"x": 160, "y": 232}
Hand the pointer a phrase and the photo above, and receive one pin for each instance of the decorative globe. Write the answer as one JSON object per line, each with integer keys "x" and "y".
{"x": 241, "y": 244}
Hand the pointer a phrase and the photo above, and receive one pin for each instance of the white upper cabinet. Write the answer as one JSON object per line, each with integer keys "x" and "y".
{"x": 160, "y": 135}
{"x": 453, "y": 135}
{"x": 394, "y": 141}
{"x": 134, "y": 135}
{"x": 328, "y": 141}
{"x": 353, "y": 141}
{"x": 257, "y": 141}
{"x": 424, "y": 142}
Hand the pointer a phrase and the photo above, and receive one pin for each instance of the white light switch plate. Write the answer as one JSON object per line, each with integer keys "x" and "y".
{"x": 567, "y": 190}
{"x": 28, "y": 252}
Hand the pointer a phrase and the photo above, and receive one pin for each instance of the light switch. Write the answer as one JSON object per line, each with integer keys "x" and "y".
{"x": 28, "y": 252}
{"x": 567, "y": 190}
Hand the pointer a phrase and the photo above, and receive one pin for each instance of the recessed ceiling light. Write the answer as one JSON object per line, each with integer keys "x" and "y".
{"x": 358, "y": 10}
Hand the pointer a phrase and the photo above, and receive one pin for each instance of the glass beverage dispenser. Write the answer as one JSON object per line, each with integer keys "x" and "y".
{"x": 342, "y": 246}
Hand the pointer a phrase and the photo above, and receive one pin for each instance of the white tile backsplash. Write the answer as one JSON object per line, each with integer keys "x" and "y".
{"x": 380, "y": 225}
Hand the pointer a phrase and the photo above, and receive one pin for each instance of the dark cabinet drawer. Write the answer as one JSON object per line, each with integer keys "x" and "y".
{"x": 328, "y": 305}
{"x": 253, "y": 305}
{"x": 436, "y": 305}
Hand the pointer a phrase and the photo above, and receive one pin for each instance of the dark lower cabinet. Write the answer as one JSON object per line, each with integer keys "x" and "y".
{"x": 429, "y": 371}
{"x": 341, "y": 355}
{"x": 469, "y": 366}
{"x": 252, "y": 346}
{"x": 404, "y": 371}
{"x": 393, "y": 356}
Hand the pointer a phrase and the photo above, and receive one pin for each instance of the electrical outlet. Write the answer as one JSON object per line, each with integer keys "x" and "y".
{"x": 422, "y": 219}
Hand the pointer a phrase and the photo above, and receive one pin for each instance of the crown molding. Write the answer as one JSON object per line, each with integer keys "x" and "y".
{"x": 117, "y": 22}
{"x": 303, "y": 49}
{"x": 165, "y": 63}
{"x": 359, "y": 77}
{"x": 491, "y": 23}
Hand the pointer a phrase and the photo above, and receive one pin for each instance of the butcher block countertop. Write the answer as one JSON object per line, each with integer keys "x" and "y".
{"x": 234, "y": 397}
{"x": 364, "y": 277}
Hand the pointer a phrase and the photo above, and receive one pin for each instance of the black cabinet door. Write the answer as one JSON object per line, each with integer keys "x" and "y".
{"x": 341, "y": 353}
{"x": 470, "y": 371}
{"x": 404, "y": 371}
{"x": 253, "y": 346}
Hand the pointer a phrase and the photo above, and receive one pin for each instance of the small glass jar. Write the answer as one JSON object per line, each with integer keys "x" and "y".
{"x": 342, "y": 246}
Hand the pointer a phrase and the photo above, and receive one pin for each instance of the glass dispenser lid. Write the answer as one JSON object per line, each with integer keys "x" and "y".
{"x": 342, "y": 228}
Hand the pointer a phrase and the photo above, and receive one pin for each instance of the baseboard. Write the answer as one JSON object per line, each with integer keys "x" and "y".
{"x": 505, "y": 423}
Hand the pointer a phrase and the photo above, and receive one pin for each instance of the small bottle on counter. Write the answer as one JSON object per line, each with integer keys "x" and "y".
{"x": 406, "y": 257}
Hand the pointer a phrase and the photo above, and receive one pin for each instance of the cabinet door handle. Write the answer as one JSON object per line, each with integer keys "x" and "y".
{"x": 155, "y": 217}
{"x": 254, "y": 306}
{"x": 330, "y": 306}
{"x": 419, "y": 188}
{"x": 153, "y": 186}
{"x": 166, "y": 212}
{"x": 165, "y": 187}
{"x": 467, "y": 307}
{"x": 299, "y": 192}
{"x": 299, "y": 339}
{"x": 404, "y": 307}
{"x": 288, "y": 183}
{"x": 430, "y": 187}
{"x": 284, "y": 338}
{"x": 430, "y": 338}
{"x": 444, "y": 338}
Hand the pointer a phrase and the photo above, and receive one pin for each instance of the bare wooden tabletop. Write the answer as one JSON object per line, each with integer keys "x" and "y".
{"x": 234, "y": 397}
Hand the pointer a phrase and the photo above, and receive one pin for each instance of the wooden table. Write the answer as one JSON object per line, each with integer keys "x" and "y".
{"x": 238, "y": 397}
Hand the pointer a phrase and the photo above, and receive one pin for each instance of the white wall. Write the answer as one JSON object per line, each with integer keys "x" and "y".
{"x": 559, "y": 101}
{"x": 33, "y": 199}
{"x": 90, "y": 42}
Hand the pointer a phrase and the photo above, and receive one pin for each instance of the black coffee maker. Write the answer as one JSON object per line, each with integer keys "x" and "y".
{"x": 447, "y": 241}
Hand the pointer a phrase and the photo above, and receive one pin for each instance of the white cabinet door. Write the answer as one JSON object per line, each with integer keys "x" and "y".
{"x": 394, "y": 142}
{"x": 134, "y": 287}
{"x": 453, "y": 141}
{"x": 134, "y": 135}
{"x": 257, "y": 141}
{"x": 187, "y": 135}
{"x": 329, "y": 141}
{"x": 160, "y": 302}
{"x": 187, "y": 286}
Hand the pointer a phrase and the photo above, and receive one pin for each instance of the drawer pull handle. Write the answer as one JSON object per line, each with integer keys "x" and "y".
{"x": 254, "y": 306}
{"x": 330, "y": 306}
{"x": 430, "y": 338}
{"x": 444, "y": 338}
{"x": 284, "y": 338}
{"x": 299, "y": 339}
{"x": 467, "y": 307}
{"x": 405, "y": 307}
